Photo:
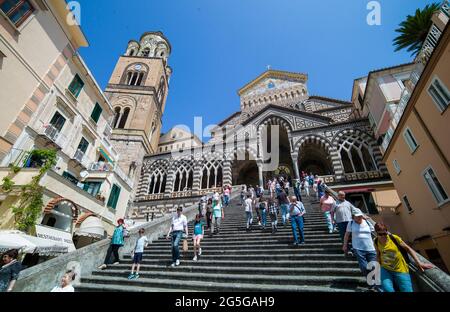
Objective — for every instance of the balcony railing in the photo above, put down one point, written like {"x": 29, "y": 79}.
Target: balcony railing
{"x": 151, "y": 197}
{"x": 445, "y": 8}
{"x": 101, "y": 166}
{"x": 367, "y": 175}
{"x": 54, "y": 135}
{"x": 107, "y": 167}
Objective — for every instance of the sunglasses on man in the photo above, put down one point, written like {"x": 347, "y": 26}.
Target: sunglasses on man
{"x": 382, "y": 233}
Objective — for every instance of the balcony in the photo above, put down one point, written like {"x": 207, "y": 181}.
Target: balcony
{"x": 102, "y": 169}
{"x": 53, "y": 136}
{"x": 151, "y": 197}
{"x": 81, "y": 158}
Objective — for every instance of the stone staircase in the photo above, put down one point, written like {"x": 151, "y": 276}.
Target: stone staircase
{"x": 236, "y": 260}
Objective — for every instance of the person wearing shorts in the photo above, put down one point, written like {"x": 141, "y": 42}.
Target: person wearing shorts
{"x": 138, "y": 251}
{"x": 198, "y": 236}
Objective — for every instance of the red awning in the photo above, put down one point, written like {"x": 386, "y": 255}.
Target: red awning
{"x": 358, "y": 190}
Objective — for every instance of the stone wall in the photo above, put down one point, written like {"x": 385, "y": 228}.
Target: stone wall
{"x": 45, "y": 276}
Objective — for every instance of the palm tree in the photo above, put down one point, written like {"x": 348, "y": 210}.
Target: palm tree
{"x": 414, "y": 30}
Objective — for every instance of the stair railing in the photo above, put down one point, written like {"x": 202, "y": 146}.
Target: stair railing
{"x": 432, "y": 280}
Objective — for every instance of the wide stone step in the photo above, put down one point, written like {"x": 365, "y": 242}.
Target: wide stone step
{"x": 256, "y": 233}
{"x": 280, "y": 239}
{"x": 215, "y": 286}
{"x": 95, "y": 287}
{"x": 341, "y": 263}
{"x": 243, "y": 251}
{"x": 326, "y": 269}
{"x": 218, "y": 246}
{"x": 297, "y": 256}
{"x": 260, "y": 278}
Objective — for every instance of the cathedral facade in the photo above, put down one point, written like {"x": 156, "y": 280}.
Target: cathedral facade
{"x": 279, "y": 130}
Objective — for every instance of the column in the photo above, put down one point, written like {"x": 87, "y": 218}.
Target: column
{"x": 295, "y": 165}
{"x": 227, "y": 173}
{"x": 260, "y": 173}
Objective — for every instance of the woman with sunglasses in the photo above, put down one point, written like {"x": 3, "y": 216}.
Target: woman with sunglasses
{"x": 391, "y": 253}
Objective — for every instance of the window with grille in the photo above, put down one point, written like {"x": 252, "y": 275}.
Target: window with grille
{"x": 435, "y": 186}
{"x": 410, "y": 140}
{"x": 16, "y": 10}
{"x": 407, "y": 204}
{"x": 396, "y": 166}
{"x": 440, "y": 94}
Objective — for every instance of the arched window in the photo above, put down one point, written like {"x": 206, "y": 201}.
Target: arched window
{"x": 146, "y": 52}
{"x": 184, "y": 176}
{"x": 356, "y": 155}
{"x": 158, "y": 178}
{"x": 212, "y": 175}
{"x": 161, "y": 90}
{"x": 132, "y": 51}
{"x": 123, "y": 120}
{"x": 116, "y": 116}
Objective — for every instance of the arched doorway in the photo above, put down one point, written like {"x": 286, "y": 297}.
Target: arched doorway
{"x": 60, "y": 213}
{"x": 245, "y": 171}
{"x": 278, "y": 148}
{"x": 314, "y": 158}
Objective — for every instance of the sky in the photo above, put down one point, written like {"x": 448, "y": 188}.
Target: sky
{"x": 220, "y": 45}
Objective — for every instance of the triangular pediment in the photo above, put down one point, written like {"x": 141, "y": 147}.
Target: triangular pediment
{"x": 272, "y": 80}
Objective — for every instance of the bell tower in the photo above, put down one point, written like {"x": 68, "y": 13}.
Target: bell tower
{"x": 137, "y": 90}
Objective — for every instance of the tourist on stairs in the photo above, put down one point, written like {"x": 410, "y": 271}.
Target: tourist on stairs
{"x": 198, "y": 236}
{"x": 327, "y": 203}
{"x": 320, "y": 188}
{"x": 137, "y": 254}
{"x": 243, "y": 196}
{"x": 249, "y": 211}
{"x": 116, "y": 242}
{"x": 217, "y": 214}
{"x": 393, "y": 256}
{"x": 273, "y": 212}
{"x": 179, "y": 224}
{"x": 305, "y": 187}
{"x": 342, "y": 212}
{"x": 262, "y": 205}
{"x": 297, "y": 212}
{"x": 362, "y": 242}
{"x": 297, "y": 190}
{"x": 283, "y": 202}
{"x": 226, "y": 195}
{"x": 208, "y": 214}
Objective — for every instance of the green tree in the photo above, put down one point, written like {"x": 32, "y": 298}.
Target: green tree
{"x": 414, "y": 30}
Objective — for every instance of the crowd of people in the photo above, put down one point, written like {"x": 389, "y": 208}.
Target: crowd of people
{"x": 387, "y": 251}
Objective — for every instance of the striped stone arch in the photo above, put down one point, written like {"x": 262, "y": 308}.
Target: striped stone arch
{"x": 349, "y": 138}
{"x": 158, "y": 169}
{"x": 322, "y": 142}
{"x": 276, "y": 120}
{"x": 314, "y": 139}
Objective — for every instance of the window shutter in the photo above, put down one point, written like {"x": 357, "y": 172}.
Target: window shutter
{"x": 96, "y": 113}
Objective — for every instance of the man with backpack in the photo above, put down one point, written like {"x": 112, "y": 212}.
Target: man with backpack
{"x": 393, "y": 256}
{"x": 297, "y": 212}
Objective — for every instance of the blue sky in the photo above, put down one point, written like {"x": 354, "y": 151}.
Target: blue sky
{"x": 220, "y": 45}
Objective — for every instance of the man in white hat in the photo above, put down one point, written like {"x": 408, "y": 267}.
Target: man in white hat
{"x": 362, "y": 243}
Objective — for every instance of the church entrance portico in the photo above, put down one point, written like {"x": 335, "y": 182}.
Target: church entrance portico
{"x": 314, "y": 158}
